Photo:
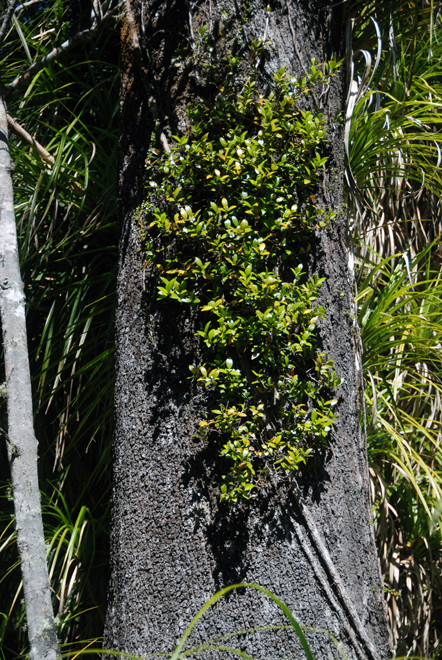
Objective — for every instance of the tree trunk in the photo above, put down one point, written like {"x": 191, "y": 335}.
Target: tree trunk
{"x": 21, "y": 441}
{"x": 173, "y": 544}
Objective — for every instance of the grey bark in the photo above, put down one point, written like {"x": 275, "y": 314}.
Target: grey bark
{"x": 172, "y": 544}
{"x": 21, "y": 441}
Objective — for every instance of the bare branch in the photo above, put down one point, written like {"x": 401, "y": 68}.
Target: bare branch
{"x": 7, "y": 19}
{"x": 22, "y": 444}
{"x": 18, "y": 128}
{"x": 25, "y": 5}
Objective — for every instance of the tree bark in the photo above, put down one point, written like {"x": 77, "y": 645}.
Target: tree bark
{"x": 172, "y": 543}
{"x": 21, "y": 441}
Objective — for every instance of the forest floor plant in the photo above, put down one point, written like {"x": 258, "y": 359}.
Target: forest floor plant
{"x": 226, "y": 643}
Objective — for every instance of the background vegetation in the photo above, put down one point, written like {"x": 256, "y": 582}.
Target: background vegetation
{"x": 66, "y": 212}
{"x": 395, "y": 158}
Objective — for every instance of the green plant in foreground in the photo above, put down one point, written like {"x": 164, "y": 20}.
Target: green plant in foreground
{"x": 228, "y": 219}
{"x": 220, "y": 643}
{"x": 223, "y": 643}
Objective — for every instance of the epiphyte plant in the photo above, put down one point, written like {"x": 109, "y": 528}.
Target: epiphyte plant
{"x": 226, "y": 225}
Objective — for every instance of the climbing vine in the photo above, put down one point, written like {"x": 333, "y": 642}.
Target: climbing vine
{"x": 226, "y": 225}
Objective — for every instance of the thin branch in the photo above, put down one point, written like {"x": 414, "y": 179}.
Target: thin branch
{"x": 29, "y": 3}
{"x": 22, "y": 444}
{"x": 74, "y": 42}
{"x": 76, "y": 188}
{"x": 96, "y": 12}
{"x": 18, "y": 128}
{"x": 7, "y": 20}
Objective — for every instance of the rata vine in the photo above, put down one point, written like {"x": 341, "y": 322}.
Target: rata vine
{"x": 227, "y": 224}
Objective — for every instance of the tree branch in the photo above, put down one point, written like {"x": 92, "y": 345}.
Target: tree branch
{"x": 7, "y": 19}
{"x": 42, "y": 152}
{"x": 22, "y": 444}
